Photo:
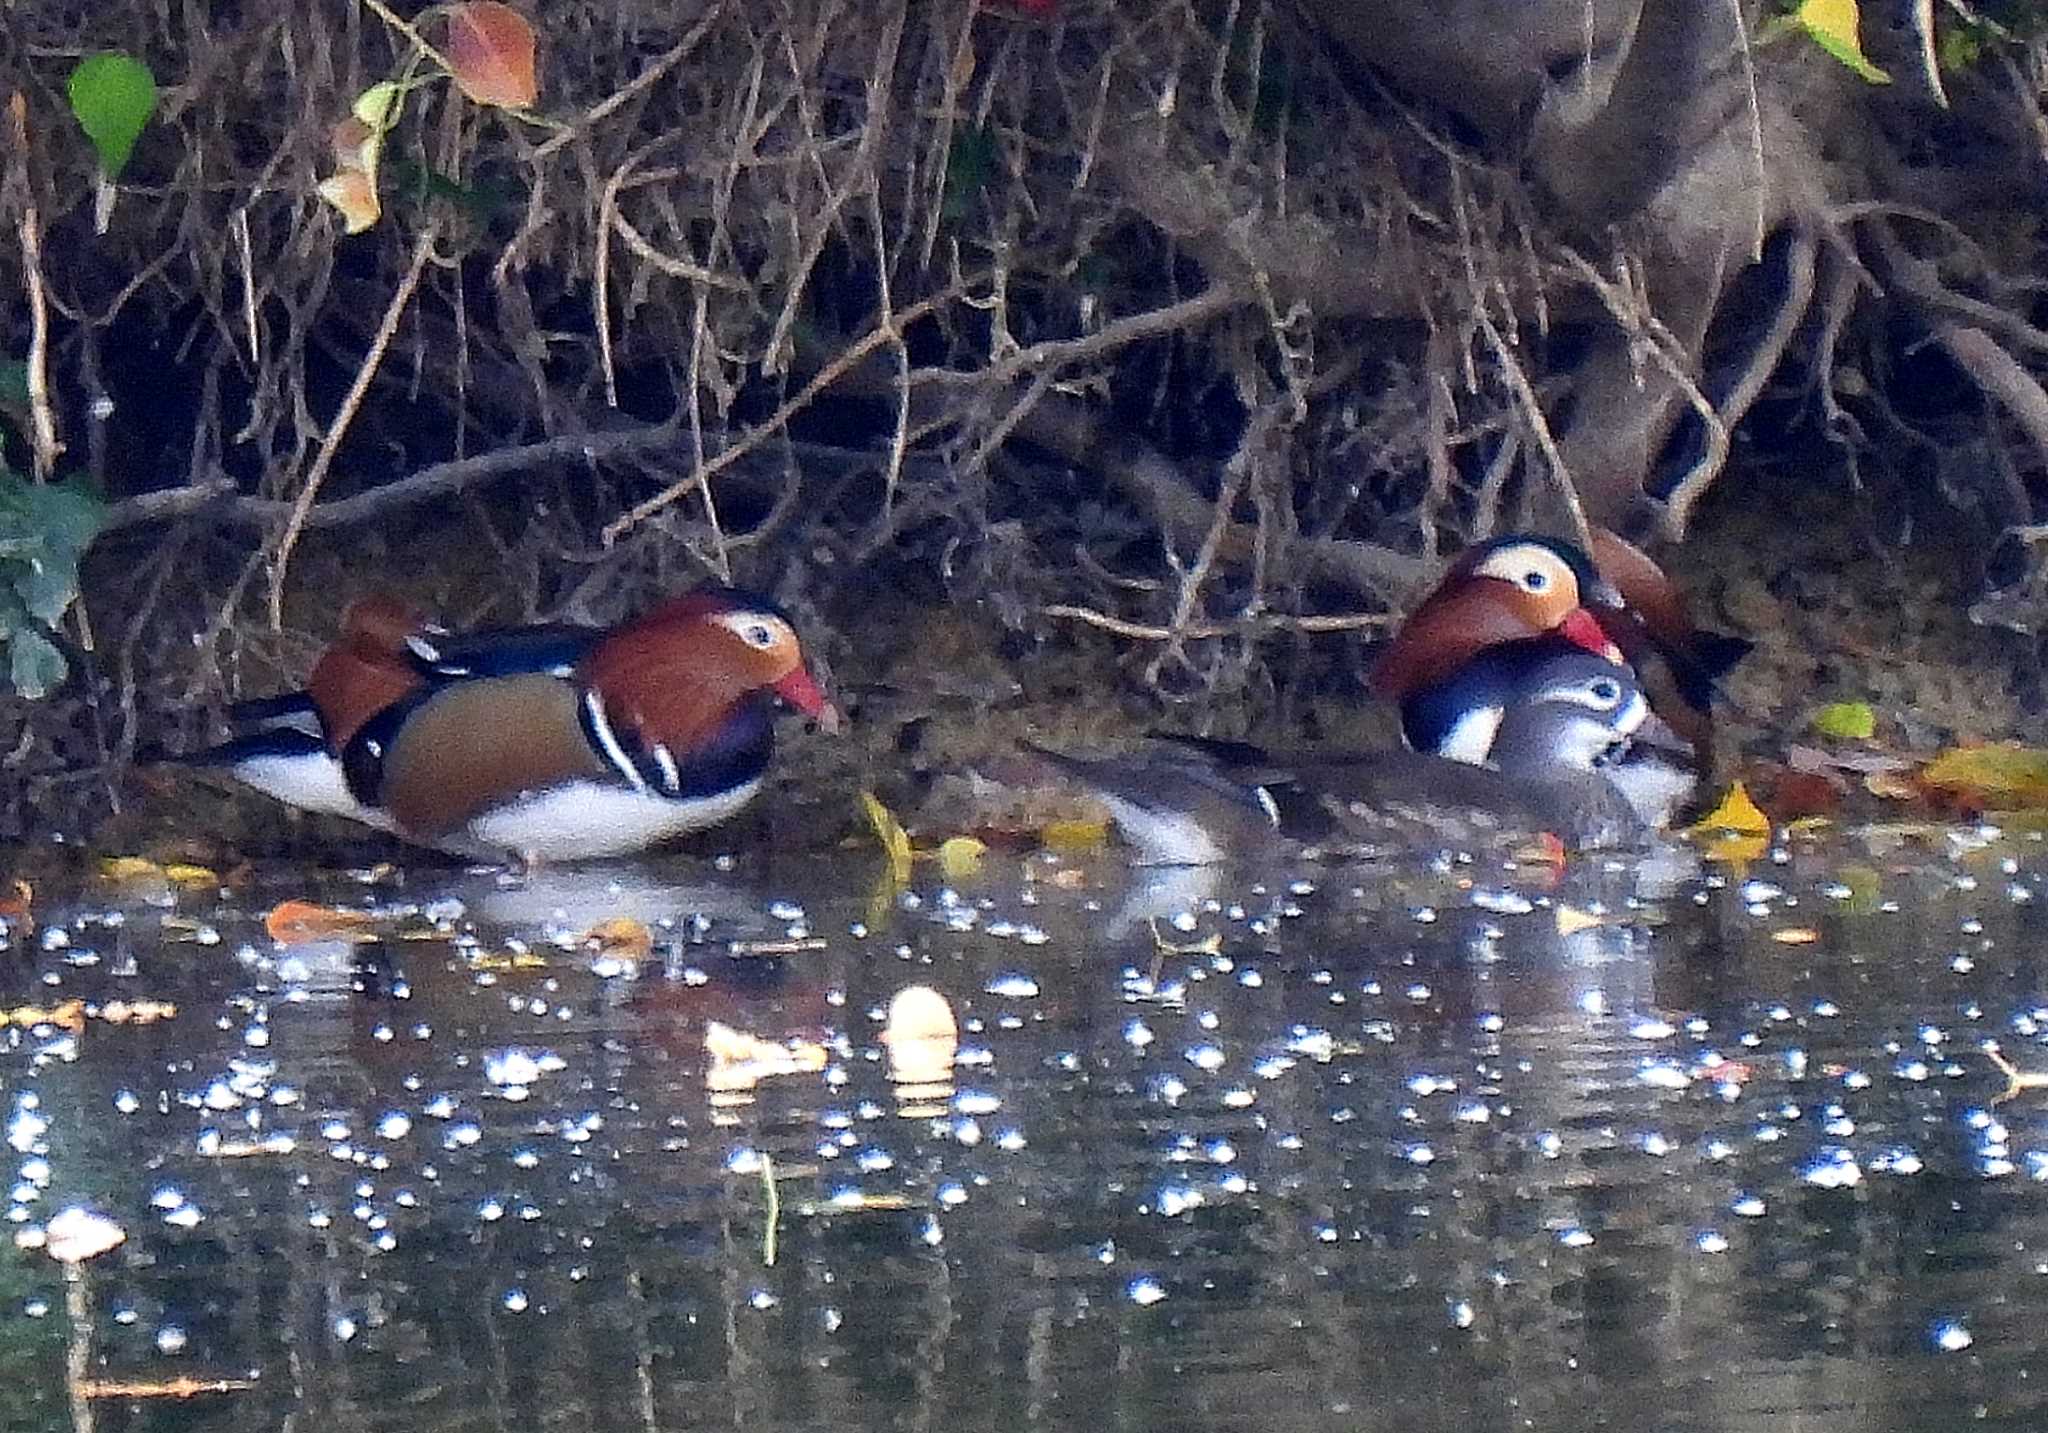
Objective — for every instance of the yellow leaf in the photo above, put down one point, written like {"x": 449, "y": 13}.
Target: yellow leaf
{"x": 889, "y": 831}
{"x": 1074, "y": 835}
{"x": 2004, "y": 775}
{"x": 1737, "y": 813}
{"x": 1832, "y": 24}
{"x": 1796, "y": 935}
{"x": 188, "y": 875}
{"x": 1571, "y": 919}
{"x": 130, "y": 868}
{"x": 1734, "y": 848}
{"x": 1846, "y": 721}
{"x": 960, "y": 857}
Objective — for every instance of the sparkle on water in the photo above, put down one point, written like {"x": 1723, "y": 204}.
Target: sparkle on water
{"x": 1089, "y": 1145}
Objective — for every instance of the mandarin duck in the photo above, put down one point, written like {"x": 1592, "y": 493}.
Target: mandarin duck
{"x": 1629, "y": 609}
{"x": 549, "y": 742}
{"x": 1553, "y": 714}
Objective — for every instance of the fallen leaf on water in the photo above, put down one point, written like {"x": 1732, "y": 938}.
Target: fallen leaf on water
{"x": 295, "y": 922}
{"x": 1074, "y": 835}
{"x": 1796, "y": 935}
{"x": 135, "y": 1012}
{"x": 70, "y": 1015}
{"x": 1737, "y": 812}
{"x": 960, "y": 856}
{"x": 519, "y": 958}
{"x": 14, "y": 907}
{"x": 165, "y": 1388}
{"x": 130, "y": 868}
{"x": 1892, "y": 785}
{"x": 185, "y": 874}
{"x": 2005, "y": 774}
{"x": 1571, "y": 919}
{"x": 621, "y": 936}
{"x": 889, "y": 831}
{"x": 1846, "y": 721}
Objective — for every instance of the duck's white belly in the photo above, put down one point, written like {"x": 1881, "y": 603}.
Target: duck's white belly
{"x": 311, "y": 781}
{"x": 585, "y": 819}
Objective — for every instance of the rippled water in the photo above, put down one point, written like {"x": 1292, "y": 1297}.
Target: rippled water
{"x": 1397, "y": 1147}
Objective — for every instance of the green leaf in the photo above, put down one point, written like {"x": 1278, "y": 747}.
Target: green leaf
{"x": 113, "y": 96}
{"x": 1846, "y": 721}
{"x": 34, "y": 666}
{"x": 45, "y": 529}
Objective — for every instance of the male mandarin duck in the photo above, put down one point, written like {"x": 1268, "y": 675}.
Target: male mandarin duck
{"x": 1619, "y": 602}
{"x": 1552, "y": 712}
{"x": 550, "y": 742}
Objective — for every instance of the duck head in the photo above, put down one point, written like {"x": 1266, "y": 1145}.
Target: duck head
{"x": 673, "y": 674}
{"x": 1566, "y": 711}
{"x": 1503, "y": 590}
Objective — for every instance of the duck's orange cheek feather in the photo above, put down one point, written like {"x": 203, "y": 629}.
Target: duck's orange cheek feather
{"x": 1447, "y": 631}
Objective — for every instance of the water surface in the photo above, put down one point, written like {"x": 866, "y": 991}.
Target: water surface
{"x": 1423, "y": 1146}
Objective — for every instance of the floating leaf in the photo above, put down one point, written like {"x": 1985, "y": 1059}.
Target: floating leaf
{"x": 15, "y": 907}
{"x": 1734, "y": 831}
{"x": 130, "y": 868}
{"x": 2006, "y": 775}
{"x": 1737, "y": 812}
{"x": 1846, "y": 721}
{"x": 889, "y": 831}
{"x": 113, "y": 96}
{"x": 1572, "y": 919}
{"x": 296, "y": 922}
{"x": 491, "y": 54}
{"x": 1074, "y": 835}
{"x": 621, "y": 937}
{"x": 960, "y": 856}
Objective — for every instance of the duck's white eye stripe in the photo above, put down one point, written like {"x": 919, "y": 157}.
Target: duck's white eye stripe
{"x": 762, "y": 633}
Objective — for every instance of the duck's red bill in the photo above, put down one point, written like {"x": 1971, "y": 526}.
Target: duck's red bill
{"x": 800, "y": 689}
{"x": 1585, "y": 629}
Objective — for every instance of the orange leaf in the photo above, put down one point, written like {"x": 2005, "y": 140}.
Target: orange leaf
{"x": 621, "y": 936}
{"x": 14, "y": 907}
{"x": 491, "y": 54}
{"x": 354, "y": 194}
{"x": 294, "y": 922}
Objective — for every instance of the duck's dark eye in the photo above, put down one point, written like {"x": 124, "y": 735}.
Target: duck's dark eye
{"x": 1536, "y": 580}
{"x": 758, "y": 634}
{"x": 1607, "y": 692}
